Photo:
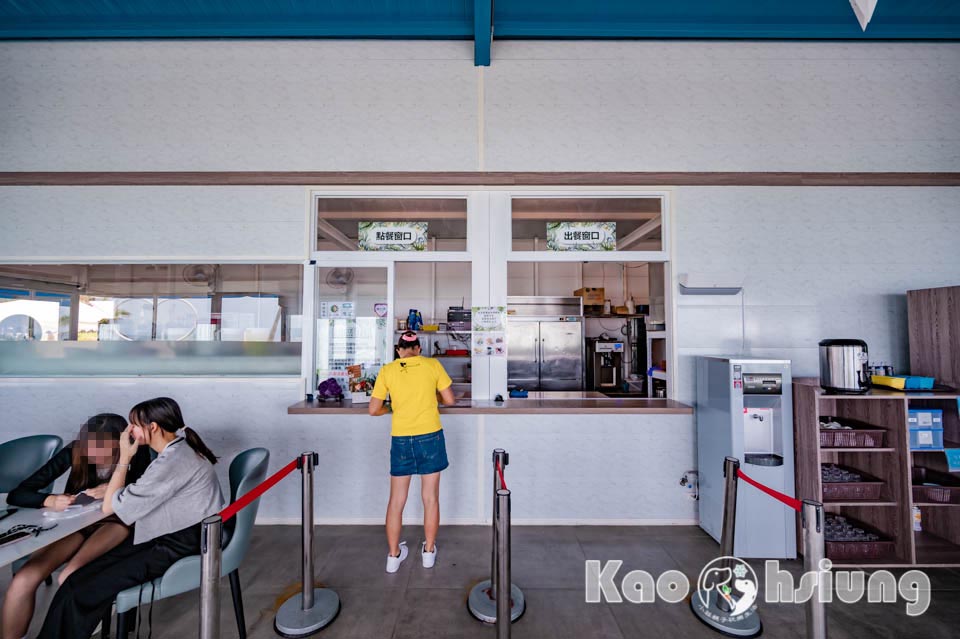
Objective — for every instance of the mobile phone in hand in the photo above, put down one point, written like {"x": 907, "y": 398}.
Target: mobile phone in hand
{"x": 83, "y": 499}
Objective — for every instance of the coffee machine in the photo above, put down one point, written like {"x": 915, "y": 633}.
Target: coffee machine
{"x": 604, "y": 364}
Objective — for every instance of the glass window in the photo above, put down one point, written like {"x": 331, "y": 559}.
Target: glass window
{"x": 352, "y": 326}
{"x": 439, "y": 294}
{"x": 150, "y": 319}
{"x": 587, "y": 224}
{"x": 391, "y": 224}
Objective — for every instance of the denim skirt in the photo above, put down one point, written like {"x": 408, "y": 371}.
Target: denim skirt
{"x": 418, "y": 454}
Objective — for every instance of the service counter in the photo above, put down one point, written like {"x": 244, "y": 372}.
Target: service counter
{"x": 559, "y": 403}
{"x": 575, "y": 458}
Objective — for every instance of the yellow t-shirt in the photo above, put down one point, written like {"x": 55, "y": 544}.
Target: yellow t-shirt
{"x": 412, "y": 383}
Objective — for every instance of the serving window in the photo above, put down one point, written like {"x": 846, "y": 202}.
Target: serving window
{"x": 579, "y": 224}
{"x": 409, "y": 224}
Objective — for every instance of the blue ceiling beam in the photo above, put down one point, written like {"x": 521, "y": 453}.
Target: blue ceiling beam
{"x": 482, "y": 32}
{"x": 474, "y": 19}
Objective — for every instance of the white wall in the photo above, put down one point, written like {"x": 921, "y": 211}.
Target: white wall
{"x": 206, "y": 223}
{"x": 552, "y": 106}
{"x": 257, "y": 105}
{"x": 815, "y": 262}
{"x": 566, "y": 478}
{"x": 722, "y": 106}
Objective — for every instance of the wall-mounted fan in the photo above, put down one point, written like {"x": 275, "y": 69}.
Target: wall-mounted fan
{"x": 199, "y": 274}
{"x": 339, "y": 278}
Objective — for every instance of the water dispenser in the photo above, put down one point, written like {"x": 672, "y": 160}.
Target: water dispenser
{"x": 745, "y": 410}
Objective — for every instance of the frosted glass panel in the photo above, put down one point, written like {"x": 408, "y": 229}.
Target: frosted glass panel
{"x": 120, "y": 358}
{"x": 150, "y": 319}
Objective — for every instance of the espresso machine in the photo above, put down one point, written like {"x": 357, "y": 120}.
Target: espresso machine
{"x": 604, "y": 364}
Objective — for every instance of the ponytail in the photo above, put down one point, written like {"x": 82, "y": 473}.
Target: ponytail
{"x": 194, "y": 441}
{"x": 165, "y": 413}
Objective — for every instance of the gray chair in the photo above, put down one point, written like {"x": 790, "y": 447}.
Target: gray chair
{"x": 20, "y": 458}
{"x": 247, "y": 470}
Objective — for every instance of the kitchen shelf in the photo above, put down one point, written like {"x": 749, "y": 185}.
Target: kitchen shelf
{"x": 935, "y": 550}
{"x": 892, "y": 513}
{"x": 613, "y": 316}
{"x": 861, "y": 502}
{"x": 656, "y": 334}
{"x": 864, "y": 449}
{"x": 423, "y": 332}
{"x": 939, "y": 543}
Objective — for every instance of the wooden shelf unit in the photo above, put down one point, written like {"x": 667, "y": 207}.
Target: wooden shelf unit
{"x": 939, "y": 542}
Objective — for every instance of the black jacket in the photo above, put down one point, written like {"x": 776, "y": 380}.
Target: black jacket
{"x": 28, "y": 494}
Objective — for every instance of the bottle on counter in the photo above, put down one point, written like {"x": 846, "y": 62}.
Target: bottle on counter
{"x": 917, "y": 519}
{"x": 606, "y": 307}
{"x": 631, "y": 306}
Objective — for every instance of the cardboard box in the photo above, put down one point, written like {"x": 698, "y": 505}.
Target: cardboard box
{"x": 591, "y": 296}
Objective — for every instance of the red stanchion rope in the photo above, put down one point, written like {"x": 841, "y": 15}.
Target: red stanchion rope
{"x": 263, "y": 487}
{"x": 786, "y": 499}
{"x": 500, "y": 472}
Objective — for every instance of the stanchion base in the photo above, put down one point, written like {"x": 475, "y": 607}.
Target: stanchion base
{"x": 293, "y": 621}
{"x": 750, "y": 626}
{"x": 484, "y": 607}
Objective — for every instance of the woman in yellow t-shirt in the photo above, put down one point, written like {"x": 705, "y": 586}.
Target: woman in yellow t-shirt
{"x": 417, "y": 445}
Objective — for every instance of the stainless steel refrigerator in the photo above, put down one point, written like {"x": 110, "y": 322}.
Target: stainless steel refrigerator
{"x": 545, "y": 343}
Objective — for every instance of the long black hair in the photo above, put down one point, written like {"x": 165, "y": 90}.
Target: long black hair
{"x": 83, "y": 474}
{"x": 165, "y": 412}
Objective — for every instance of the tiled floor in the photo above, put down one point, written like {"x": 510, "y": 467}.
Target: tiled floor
{"x": 548, "y": 564}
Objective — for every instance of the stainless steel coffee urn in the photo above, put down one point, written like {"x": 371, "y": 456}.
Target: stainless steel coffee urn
{"x": 843, "y": 366}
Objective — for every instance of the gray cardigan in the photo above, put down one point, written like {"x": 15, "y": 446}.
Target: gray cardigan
{"x": 178, "y": 489}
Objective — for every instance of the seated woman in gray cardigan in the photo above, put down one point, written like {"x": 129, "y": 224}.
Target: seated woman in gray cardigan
{"x": 176, "y": 492}
{"x": 90, "y": 460}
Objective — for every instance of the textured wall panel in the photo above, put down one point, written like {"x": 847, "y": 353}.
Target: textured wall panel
{"x": 814, "y": 263}
{"x": 207, "y": 105}
{"x": 723, "y": 106}
{"x": 140, "y": 222}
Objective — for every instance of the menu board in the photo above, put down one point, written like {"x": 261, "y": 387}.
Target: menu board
{"x": 489, "y": 325}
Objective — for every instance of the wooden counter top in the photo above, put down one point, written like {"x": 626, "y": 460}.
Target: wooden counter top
{"x": 528, "y": 406}
{"x": 876, "y": 393}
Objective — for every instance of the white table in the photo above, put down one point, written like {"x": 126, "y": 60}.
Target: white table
{"x": 11, "y": 552}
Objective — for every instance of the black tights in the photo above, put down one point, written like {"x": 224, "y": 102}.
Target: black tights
{"x": 86, "y": 596}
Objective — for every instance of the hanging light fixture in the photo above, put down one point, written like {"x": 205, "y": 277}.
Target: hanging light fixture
{"x": 864, "y": 11}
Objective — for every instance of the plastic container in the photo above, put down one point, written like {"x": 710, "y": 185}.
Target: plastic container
{"x": 849, "y": 539}
{"x": 859, "y": 435}
{"x": 867, "y": 488}
{"x": 926, "y": 428}
{"x": 934, "y": 486}
{"x": 851, "y": 438}
{"x": 926, "y": 439}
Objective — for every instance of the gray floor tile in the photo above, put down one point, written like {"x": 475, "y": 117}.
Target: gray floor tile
{"x": 546, "y": 557}
{"x": 563, "y": 614}
{"x": 548, "y": 563}
{"x": 435, "y": 613}
{"x": 463, "y": 559}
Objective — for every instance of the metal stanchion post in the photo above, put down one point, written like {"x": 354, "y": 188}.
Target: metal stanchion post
{"x": 501, "y": 458}
{"x": 708, "y": 605}
{"x": 482, "y": 600}
{"x": 210, "y": 556}
{"x": 811, "y": 517}
{"x": 313, "y": 608}
{"x": 503, "y": 563}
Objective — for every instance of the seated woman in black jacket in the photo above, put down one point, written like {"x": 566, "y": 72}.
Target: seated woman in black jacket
{"x": 90, "y": 459}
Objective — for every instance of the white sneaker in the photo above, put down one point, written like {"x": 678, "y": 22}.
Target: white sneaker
{"x": 393, "y": 563}
{"x": 429, "y": 558}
